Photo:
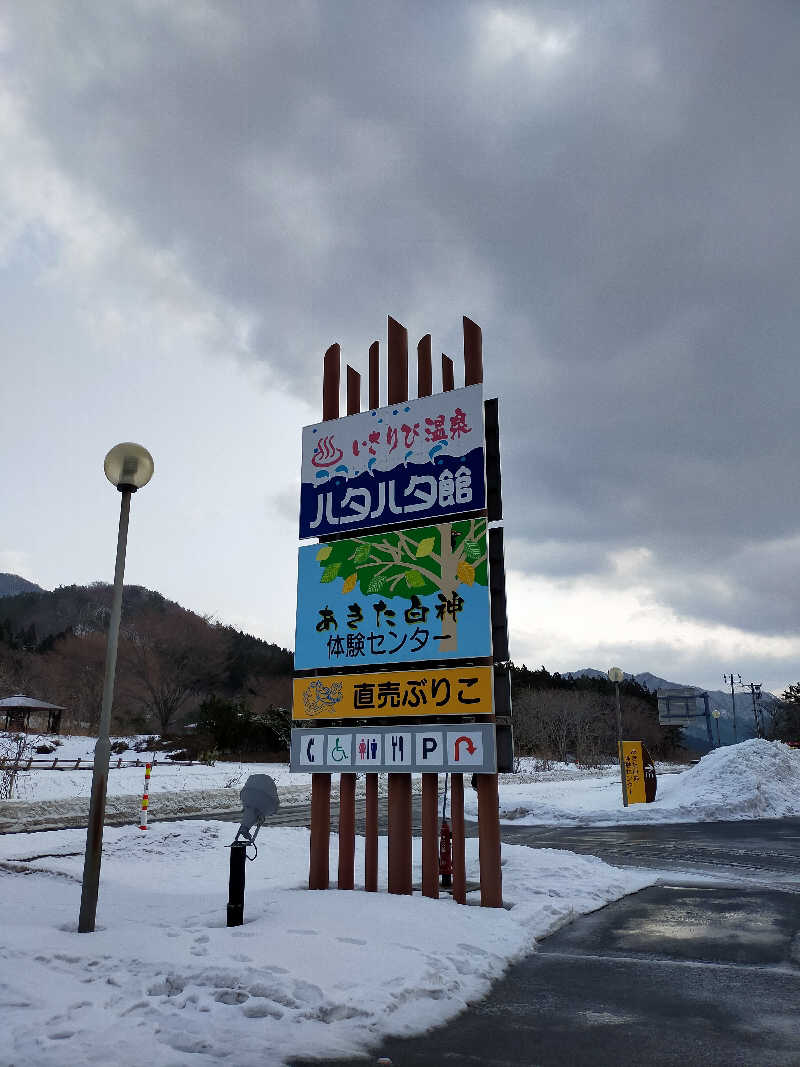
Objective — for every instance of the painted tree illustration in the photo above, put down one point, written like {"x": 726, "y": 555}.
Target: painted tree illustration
{"x": 409, "y": 564}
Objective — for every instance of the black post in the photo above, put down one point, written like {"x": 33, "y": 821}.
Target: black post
{"x": 236, "y": 884}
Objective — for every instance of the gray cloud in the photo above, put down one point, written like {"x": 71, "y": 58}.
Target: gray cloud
{"x": 609, "y": 189}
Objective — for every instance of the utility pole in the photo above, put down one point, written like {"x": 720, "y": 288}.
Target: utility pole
{"x": 733, "y": 701}
{"x": 616, "y": 675}
{"x": 755, "y": 694}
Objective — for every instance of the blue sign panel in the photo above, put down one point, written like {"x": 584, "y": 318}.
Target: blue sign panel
{"x": 402, "y": 596}
{"x": 421, "y": 459}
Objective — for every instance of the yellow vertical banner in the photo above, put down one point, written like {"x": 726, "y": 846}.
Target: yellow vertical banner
{"x": 633, "y": 763}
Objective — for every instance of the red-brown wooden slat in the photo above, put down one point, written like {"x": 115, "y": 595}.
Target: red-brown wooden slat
{"x": 430, "y": 826}
{"x": 330, "y": 384}
{"x": 371, "y": 836}
{"x": 374, "y": 376}
{"x": 448, "y": 378}
{"x": 459, "y": 856}
{"x": 424, "y": 368}
{"x": 489, "y": 842}
{"x": 473, "y": 353}
{"x": 347, "y": 830}
{"x": 318, "y": 867}
{"x": 399, "y": 803}
{"x": 398, "y": 362}
{"x": 353, "y": 391}
{"x": 319, "y": 844}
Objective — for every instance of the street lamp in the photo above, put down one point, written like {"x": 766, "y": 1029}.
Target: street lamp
{"x": 129, "y": 467}
{"x": 615, "y": 675}
{"x": 716, "y": 715}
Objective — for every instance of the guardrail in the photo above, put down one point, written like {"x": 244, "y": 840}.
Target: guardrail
{"x": 61, "y": 764}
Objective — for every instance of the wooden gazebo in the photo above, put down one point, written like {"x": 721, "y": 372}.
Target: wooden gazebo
{"x": 19, "y": 709}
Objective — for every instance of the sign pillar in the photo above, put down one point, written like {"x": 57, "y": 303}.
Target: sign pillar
{"x": 347, "y": 782}
{"x": 489, "y": 841}
{"x": 457, "y": 823}
{"x": 400, "y": 828}
{"x": 371, "y": 815}
{"x": 319, "y": 845}
{"x": 430, "y": 825}
{"x": 403, "y": 574}
{"x": 371, "y": 836}
{"x": 400, "y": 833}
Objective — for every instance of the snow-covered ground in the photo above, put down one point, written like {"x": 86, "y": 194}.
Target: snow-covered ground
{"x": 752, "y": 780}
{"x": 163, "y": 981}
{"x": 50, "y": 798}
{"x": 65, "y": 783}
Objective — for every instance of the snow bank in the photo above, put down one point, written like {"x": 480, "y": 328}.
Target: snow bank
{"x": 163, "y": 981}
{"x": 753, "y": 780}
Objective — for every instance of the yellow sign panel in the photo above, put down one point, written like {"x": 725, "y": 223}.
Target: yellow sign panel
{"x": 632, "y": 761}
{"x": 423, "y": 694}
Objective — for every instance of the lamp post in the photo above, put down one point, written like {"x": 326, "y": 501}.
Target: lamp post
{"x": 716, "y": 715}
{"x": 129, "y": 467}
{"x": 615, "y": 675}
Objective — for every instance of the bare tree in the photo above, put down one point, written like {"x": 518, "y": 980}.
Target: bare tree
{"x": 167, "y": 664}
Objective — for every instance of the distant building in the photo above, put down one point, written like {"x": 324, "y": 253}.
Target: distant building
{"x": 26, "y": 714}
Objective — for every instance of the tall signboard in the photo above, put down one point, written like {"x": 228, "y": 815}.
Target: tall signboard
{"x": 397, "y": 607}
{"x": 411, "y": 594}
{"x": 422, "y": 459}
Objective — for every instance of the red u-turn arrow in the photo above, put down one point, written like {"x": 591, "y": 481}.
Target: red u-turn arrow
{"x": 468, "y": 742}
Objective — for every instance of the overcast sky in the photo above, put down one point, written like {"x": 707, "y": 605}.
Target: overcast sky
{"x": 197, "y": 198}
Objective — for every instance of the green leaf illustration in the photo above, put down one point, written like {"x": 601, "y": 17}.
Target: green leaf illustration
{"x": 375, "y": 585}
{"x": 414, "y": 579}
{"x": 330, "y": 572}
{"x": 361, "y": 554}
{"x": 425, "y": 547}
{"x": 472, "y": 551}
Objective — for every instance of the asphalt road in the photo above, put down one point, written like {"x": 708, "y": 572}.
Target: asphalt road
{"x": 703, "y": 968}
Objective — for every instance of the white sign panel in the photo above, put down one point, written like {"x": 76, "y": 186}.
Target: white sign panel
{"x": 417, "y": 749}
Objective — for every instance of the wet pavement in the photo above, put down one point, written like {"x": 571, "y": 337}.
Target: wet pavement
{"x": 689, "y": 971}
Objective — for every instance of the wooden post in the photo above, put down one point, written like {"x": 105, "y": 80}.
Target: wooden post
{"x": 347, "y": 829}
{"x": 400, "y": 833}
{"x": 371, "y": 836}
{"x": 457, "y": 821}
{"x": 424, "y": 369}
{"x": 353, "y": 391}
{"x": 489, "y": 842}
{"x": 448, "y": 379}
{"x": 347, "y": 782}
{"x": 330, "y": 384}
{"x": 430, "y": 825}
{"x": 319, "y": 844}
{"x": 318, "y": 869}
{"x": 398, "y": 362}
{"x": 371, "y": 819}
{"x": 473, "y": 353}
{"x": 399, "y": 784}
{"x": 374, "y": 376}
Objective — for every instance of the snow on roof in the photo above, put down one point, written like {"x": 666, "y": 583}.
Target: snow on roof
{"x": 19, "y": 701}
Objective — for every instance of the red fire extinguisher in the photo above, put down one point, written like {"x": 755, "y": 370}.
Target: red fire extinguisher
{"x": 445, "y": 845}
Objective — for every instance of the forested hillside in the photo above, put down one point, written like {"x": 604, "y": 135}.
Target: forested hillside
{"x": 557, "y": 716}
{"x": 170, "y": 660}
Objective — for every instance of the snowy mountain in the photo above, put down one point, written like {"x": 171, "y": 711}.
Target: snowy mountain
{"x": 12, "y": 585}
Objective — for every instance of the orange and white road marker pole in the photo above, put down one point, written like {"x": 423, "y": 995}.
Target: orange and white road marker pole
{"x": 146, "y": 795}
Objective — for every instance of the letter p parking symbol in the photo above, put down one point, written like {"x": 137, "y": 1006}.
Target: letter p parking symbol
{"x": 430, "y": 749}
